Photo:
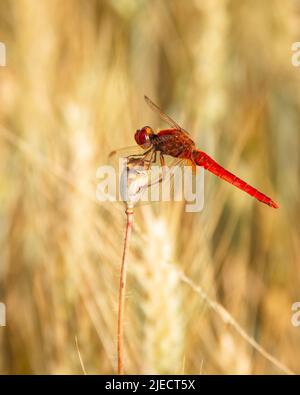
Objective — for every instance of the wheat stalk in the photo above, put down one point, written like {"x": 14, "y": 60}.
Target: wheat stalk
{"x": 136, "y": 176}
{"x": 160, "y": 301}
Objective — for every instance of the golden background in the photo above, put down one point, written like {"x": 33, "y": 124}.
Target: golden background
{"x": 71, "y": 92}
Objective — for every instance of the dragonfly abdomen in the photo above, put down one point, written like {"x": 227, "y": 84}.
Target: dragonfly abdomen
{"x": 202, "y": 159}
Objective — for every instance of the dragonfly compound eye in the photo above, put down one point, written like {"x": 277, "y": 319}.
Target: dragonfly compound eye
{"x": 142, "y": 137}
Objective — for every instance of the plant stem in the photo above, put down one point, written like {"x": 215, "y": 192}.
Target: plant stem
{"x": 122, "y": 289}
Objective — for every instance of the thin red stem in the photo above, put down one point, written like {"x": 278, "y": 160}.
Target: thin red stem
{"x": 122, "y": 289}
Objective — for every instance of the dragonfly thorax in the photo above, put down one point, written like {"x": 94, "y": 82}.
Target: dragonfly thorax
{"x": 142, "y": 137}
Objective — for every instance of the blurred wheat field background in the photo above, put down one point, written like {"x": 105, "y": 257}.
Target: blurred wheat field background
{"x": 71, "y": 92}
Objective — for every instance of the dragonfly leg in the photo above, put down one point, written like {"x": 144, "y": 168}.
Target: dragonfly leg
{"x": 151, "y": 160}
{"x": 140, "y": 159}
{"x": 163, "y": 166}
{"x": 139, "y": 155}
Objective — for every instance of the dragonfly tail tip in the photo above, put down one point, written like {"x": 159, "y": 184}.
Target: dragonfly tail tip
{"x": 274, "y": 205}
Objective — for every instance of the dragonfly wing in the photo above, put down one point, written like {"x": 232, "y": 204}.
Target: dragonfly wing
{"x": 154, "y": 107}
{"x": 134, "y": 152}
{"x": 173, "y": 168}
{"x": 127, "y": 151}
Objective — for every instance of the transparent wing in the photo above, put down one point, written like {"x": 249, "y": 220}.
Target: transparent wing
{"x": 126, "y": 151}
{"x": 132, "y": 156}
{"x": 154, "y": 107}
{"x": 172, "y": 188}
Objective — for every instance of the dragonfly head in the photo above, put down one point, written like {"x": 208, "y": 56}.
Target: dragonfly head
{"x": 142, "y": 137}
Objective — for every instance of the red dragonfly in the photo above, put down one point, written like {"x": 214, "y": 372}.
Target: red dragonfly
{"x": 176, "y": 142}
